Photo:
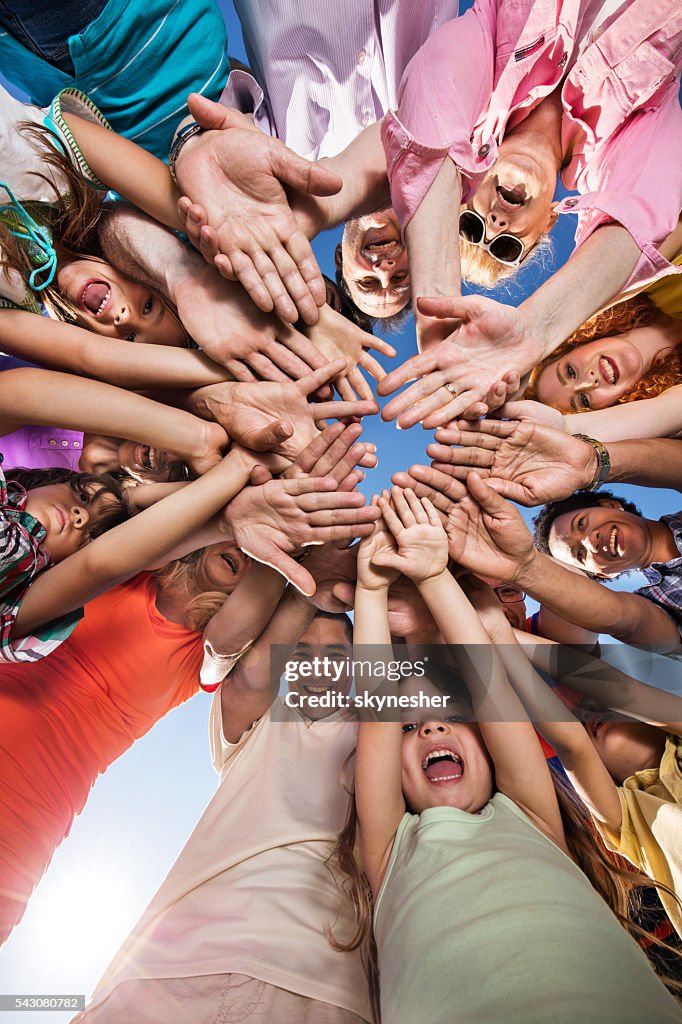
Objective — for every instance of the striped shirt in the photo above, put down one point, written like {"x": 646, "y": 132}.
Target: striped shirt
{"x": 22, "y": 558}
{"x": 665, "y": 578}
{"x": 329, "y": 70}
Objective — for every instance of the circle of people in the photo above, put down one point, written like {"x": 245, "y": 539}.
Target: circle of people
{"x": 183, "y": 512}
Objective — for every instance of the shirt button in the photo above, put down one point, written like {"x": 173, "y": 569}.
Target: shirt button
{"x": 360, "y": 56}
{"x": 65, "y": 444}
{"x": 365, "y": 119}
{"x": 52, "y": 441}
{"x": 484, "y": 150}
{"x": 571, "y": 202}
{"x": 76, "y": 444}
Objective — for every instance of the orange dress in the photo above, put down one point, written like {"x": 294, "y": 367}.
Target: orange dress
{"x": 66, "y": 718}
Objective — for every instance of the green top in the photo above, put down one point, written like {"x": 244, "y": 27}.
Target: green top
{"x": 482, "y": 920}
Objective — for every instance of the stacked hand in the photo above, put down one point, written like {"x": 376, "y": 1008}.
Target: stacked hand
{"x": 335, "y": 336}
{"x": 234, "y": 178}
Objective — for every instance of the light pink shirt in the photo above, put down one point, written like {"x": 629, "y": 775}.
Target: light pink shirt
{"x": 479, "y": 76}
{"x": 329, "y": 69}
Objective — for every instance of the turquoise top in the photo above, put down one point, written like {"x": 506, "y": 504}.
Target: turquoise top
{"x": 481, "y": 919}
{"x": 137, "y": 62}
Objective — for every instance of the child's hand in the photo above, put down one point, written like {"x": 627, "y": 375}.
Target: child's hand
{"x": 417, "y": 530}
{"x": 371, "y": 574}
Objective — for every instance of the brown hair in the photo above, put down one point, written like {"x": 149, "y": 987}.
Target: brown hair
{"x": 614, "y": 879}
{"x": 638, "y": 311}
{"x": 181, "y": 577}
{"x": 30, "y": 479}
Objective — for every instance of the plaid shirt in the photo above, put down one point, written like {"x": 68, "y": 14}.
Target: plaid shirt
{"x": 665, "y": 578}
{"x": 22, "y": 558}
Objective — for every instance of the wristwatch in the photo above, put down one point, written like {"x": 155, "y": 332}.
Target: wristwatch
{"x": 603, "y": 462}
{"x": 193, "y": 128}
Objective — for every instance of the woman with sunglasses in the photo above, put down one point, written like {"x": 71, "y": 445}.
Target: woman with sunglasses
{"x": 492, "y": 108}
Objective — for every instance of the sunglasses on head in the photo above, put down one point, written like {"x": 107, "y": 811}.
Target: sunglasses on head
{"x": 505, "y": 248}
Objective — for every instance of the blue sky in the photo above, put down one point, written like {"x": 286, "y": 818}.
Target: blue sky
{"x": 143, "y": 809}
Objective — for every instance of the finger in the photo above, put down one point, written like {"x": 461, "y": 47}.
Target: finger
{"x": 402, "y": 508}
{"x": 266, "y": 254}
{"x": 224, "y": 267}
{"x": 211, "y": 115}
{"x": 431, "y": 512}
{"x": 350, "y": 482}
{"x": 259, "y": 476}
{"x": 301, "y": 346}
{"x": 489, "y": 428}
{"x": 312, "y": 453}
{"x": 240, "y": 371}
{"x": 446, "y": 485}
{"x": 370, "y": 364}
{"x": 416, "y": 507}
{"x": 486, "y": 497}
{"x": 341, "y": 410}
{"x": 208, "y": 243}
{"x": 414, "y": 396}
{"x": 393, "y": 521}
{"x": 344, "y": 593}
{"x": 305, "y": 175}
{"x": 388, "y": 559}
{"x": 369, "y": 459}
{"x": 466, "y": 438}
{"x": 323, "y": 375}
{"x": 270, "y": 436}
{"x": 330, "y": 501}
{"x": 337, "y": 534}
{"x": 302, "y": 254}
{"x": 294, "y": 283}
{"x": 440, "y": 501}
{"x": 266, "y": 369}
{"x": 415, "y": 367}
{"x": 452, "y": 307}
{"x": 249, "y": 278}
{"x": 361, "y": 386}
{"x": 379, "y": 345}
{"x": 516, "y": 411}
{"x": 451, "y": 410}
{"x": 475, "y": 411}
{"x": 345, "y": 389}
{"x": 337, "y": 451}
{"x": 460, "y": 456}
{"x": 457, "y": 472}
{"x": 292, "y": 366}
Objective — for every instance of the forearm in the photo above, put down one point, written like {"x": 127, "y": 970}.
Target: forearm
{"x": 659, "y": 418}
{"x": 362, "y": 166}
{"x": 61, "y": 346}
{"x": 127, "y": 169}
{"x": 45, "y": 398}
{"x": 246, "y": 611}
{"x": 586, "y": 282}
{"x": 371, "y": 617}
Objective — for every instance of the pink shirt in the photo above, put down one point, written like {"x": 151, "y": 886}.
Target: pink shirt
{"x": 479, "y": 76}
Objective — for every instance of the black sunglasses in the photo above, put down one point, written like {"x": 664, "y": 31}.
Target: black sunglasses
{"x": 505, "y": 248}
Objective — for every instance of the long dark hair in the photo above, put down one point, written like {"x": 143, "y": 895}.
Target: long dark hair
{"x": 30, "y": 479}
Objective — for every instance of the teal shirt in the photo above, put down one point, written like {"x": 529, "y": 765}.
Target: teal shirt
{"x": 138, "y": 62}
{"x": 481, "y": 919}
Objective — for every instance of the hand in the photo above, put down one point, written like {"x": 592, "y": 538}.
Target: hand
{"x": 440, "y": 488}
{"x": 522, "y": 461}
{"x": 275, "y": 520}
{"x": 487, "y": 535}
{"x": 265, "y": 416}
{"x": 371, "y": 575}
{"x": 333, "y": 570}
{"x": 211, "y": 449}
{"x": 536, "y": 411}
{"x": 421, "y": 541}
{"x": 221, "y": 318}
{"x": 237, "y": 174}
{"x": 336, "y": 337}
{"x": 334, "y": 454}
{"x": 408, "y": 615}
{"x": 491, "y": 335}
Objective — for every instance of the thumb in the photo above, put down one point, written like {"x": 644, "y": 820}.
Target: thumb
{"x": 260, "y": 475}
{"x": 486, "y": 497}
{"x": 212, "y": 115}
{"x": 264, "y": 439}
{"x": 344, "y": 593}
{"x": 304, "y": 175}
{"x": 449, "y": 307}
{"x": 270, "y": 554}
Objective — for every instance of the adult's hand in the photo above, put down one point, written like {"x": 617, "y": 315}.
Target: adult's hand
{"x": 493, "y": 343}
{"x": 545, "y": 415}
{"x": 336, "y": 337}
{"x": 223, "y": 320}
{"x": 521, "y": 460}
{"x": 238, "y": 175}
{"x": 274, "y": 521}
{"x": 334, "y": 453}
{"x": 487, "y": 535}
{"x": 274, "y": 417}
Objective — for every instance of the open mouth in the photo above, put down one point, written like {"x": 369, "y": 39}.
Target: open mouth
{"x": 511, "y": 195}
{"x": 315, "y": 688}
{"x": 149, "y": 459}
{"x": 608, "y": 369}
{"x": 386, "y": 249}
{"x": 94, "y": 297}
{"x": 615, "y": 549}
{"x": 443, "y": 765}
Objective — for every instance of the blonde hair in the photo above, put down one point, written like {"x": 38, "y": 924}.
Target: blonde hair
{"x": 636, "y": 312}
{"x": 181, "y": 578}
{"x": 481, "y": 268}
{"x": 614, "y": 879}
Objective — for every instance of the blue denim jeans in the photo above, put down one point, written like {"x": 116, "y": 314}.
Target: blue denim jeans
{"x": 44, "y": 27}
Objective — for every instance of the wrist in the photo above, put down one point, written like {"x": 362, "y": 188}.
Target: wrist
{"x": 526, "y": 574}
{"x": 433, "y": 582}
{"x": 598, "y": 463}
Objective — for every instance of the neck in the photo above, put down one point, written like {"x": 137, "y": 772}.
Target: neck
{"x": 663, "y": 546}
{"x": 540, "y": 133}
{"x": 172, "y": 605}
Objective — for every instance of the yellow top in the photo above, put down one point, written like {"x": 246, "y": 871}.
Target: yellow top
{"x": 651, "y": 834}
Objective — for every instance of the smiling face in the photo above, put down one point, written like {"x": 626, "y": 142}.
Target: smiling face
{"x": 515, "y": 197}
{"x": 626, "y": 747}
{"x": 111, "y": 304}
{"x": 604, "y": 540}
{"x": 68, "y": 516}
{"x": 324, "y": 638}
{"x": 597, "y": 374}
{"x": 375, "y": 265}
{"x": 145, "y": 464}
{"x": 445, "y": 763}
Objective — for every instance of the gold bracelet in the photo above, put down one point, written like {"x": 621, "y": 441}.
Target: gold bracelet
{"x": 603, "y": 462}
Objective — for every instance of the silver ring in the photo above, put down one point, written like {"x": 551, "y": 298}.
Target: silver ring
{"x": 452, "y": 389}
